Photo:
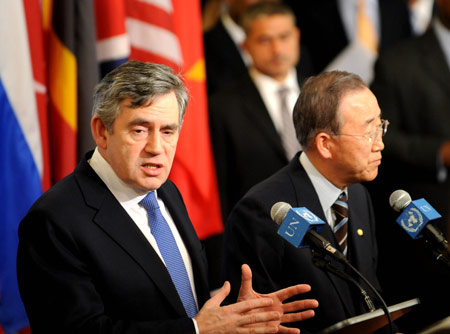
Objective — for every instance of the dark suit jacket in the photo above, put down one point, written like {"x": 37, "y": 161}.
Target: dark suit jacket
{"x": 412, "y": 85}
{"x": 323, "y": 31}
{"x": 247, "y": 147}
{"x": 251, "y": 237}
{"x": 85, "y": 267}
{"x": 222, "y": 58}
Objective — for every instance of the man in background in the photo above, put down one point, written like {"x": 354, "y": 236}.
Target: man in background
{"x": 251, "y": 118}
{"x": 225, "y": 56}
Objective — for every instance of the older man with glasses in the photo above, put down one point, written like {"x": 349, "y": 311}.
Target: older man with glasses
{"x": 338, "y": 123}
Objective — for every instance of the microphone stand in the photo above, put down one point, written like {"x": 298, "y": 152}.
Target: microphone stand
{"x": 441, "y": 253}
{"x": 320, "y": 262}
{"x": 344, "y": 260}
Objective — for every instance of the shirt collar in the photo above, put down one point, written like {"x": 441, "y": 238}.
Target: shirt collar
{"x": 126, "y": 195}
{"x": 327, "y": 192}
{"x": 267, "y": 83}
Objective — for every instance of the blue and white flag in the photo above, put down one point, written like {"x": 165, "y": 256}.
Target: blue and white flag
{"x": 21, "y": 162}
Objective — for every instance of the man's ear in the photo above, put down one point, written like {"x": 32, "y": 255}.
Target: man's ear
{"x": 324, "y": 143}
{"x": 99, "y": 132}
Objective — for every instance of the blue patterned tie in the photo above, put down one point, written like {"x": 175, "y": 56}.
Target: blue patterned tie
{"x": 170, "y": 252}
{"x": 341, "y": 225}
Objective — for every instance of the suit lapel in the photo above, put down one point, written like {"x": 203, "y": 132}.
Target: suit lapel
{"x": 117, "y": 224}
{"x": 258, "y": 115}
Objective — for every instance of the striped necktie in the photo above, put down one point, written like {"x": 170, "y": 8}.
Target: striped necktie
{"x": 341, "y": 224}
{"x": 170, "y": 252}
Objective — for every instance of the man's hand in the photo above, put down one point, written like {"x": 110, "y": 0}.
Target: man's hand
{"x": 236, "y": 318}
{"x": 290, "y": 312}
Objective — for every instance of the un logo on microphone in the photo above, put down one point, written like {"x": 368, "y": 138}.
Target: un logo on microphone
{"x": 297, "y": 223}
{"x": 414, "y": 218}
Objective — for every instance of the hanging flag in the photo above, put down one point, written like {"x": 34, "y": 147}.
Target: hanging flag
{"x": 113, "y": 45}
{"x": 194, "y": 170}
{"x": 169, "y": 32}
{"x": 22, "y": 138}
{"x": 72, "y": 75}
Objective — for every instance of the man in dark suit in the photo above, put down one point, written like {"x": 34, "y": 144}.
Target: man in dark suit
{"x": 412, "y": 84}
{"x": 246, "y": 117}
{"x": 225, "y": 56}
{"x": 338, "y": 124}
{"x": 92, "y": 257}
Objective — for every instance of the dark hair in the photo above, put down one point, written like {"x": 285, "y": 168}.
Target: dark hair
{"x": 264, "y": 8}
{"x": 316, "y": 109}
{"x": 141, "y": 82}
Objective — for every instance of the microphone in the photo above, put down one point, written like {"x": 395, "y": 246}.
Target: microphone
{"x": 300, "y": 227}
{"x": 416, "y": 218}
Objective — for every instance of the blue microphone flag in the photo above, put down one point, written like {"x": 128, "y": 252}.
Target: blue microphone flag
{"x": 297, "y": 223}
{"x": 416, "y": 216}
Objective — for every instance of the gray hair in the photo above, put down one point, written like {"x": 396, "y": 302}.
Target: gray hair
{"x": 316, "y": 109}
{"x": 142, "y": 83}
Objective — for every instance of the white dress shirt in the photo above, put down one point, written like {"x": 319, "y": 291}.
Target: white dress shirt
{"x": 268, "y": 89}
{"x": 129, "y": 199}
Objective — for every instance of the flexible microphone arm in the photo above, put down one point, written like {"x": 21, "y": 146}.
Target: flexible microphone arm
{"x": 383, "y": 303}
{"x": 443, "y": 254}
{"x": 320, "y": 245}
{"x": 320, "y": 262}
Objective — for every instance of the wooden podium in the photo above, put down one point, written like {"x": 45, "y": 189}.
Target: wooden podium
{"x": 370, "y": 322}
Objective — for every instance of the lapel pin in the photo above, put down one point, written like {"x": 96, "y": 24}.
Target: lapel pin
{"x": 360, "y": 232}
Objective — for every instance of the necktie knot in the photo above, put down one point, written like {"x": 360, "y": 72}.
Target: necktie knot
{"x": 149, "y": 202}
{"x": 283, "y": 92}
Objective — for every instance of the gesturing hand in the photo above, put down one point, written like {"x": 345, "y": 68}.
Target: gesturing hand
{"x": 290, "y": 312}
{"x": 236, "y": 318}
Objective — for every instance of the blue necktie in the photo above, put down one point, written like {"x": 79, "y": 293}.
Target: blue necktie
{"x": 170, "y": 253}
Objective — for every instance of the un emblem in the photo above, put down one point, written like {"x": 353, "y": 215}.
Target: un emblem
{"x": 412, "y": 221}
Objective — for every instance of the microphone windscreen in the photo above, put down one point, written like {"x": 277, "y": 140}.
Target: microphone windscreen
{"x": 399, "y": 200}
{"x": 279, "y": 211}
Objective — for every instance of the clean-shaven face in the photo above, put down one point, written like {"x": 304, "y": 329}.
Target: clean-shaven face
{"x": 273, "y": 43}
{"x": 142, "y": 145}
{"x": 355, "y": 158}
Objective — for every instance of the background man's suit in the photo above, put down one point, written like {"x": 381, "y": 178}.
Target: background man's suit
{"x": 223, "y": 59}
{"x": 121, "y": 271}
{"x": 247, "y": 147}
{"x": 251, "y": 237}
{"x": 412, "y": 85}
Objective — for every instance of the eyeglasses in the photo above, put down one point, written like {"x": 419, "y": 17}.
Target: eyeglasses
{"x": 371, "y": 136}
